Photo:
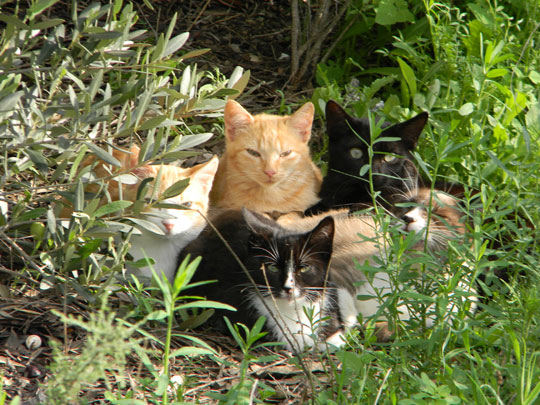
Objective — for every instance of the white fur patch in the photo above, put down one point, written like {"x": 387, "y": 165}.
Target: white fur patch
{"x": 288, "y": 319}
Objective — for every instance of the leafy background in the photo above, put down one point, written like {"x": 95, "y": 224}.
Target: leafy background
{"x": 80, "y": 78}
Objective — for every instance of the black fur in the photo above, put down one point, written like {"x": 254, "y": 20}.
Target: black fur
{"x": 252, "y": 236}
{"x": 343, "y": 185}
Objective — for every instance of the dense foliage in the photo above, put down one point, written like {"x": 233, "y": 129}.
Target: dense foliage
{"x": 86, "y": 84}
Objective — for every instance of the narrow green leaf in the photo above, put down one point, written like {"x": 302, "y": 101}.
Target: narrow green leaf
{"x": 408, "y": 75}
{"x": 38, "y": 7}
{"x": 176, "y": 189}
{"x": 152, "y": 122}
{"x": 192, "y": 54}
{"x": 205, "y": 304}
{"x": 184, "y": 84}
{"x": 112, "y": 207}
{"x": 466, "y": 109}
{"x": 105, "y": 35}
{"x": 190, "y": 351}
{"x": 493, "y": 73}
{"x": 175, "y": 43}
{"x": 89, "y": 247}
{"x": 190, "y": 141}
{"x": 11, "y": 19}
{"x": 103, "y": 155}
{"x": 147, "y": 225}
{"x": 42, "y": 25}
{"x": 38, "y": 159}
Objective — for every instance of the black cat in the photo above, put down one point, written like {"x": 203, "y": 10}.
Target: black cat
{"x": 289, "y": 276}
{"x": 392, "y": 166}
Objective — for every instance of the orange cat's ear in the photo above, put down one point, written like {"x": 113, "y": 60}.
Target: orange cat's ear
{"x": 145, "y": 171}
{"x": 302, "y": 120}
{"x": 205, "y": 173}
{"x": 134, "y": 157}
{"x": 236, "y": 117}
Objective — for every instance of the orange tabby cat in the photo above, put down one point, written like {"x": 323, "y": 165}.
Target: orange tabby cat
{"x": 267, "y": 165}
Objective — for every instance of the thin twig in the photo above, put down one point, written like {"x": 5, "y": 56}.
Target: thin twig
{"x": 198, "y": 15}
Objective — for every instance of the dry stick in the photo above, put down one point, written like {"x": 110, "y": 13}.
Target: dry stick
{"x": 336, "y": 41}
{"x": 21, "y": 252}
{"x": 198, "y": 16}
{"x": 295, "y": 57}
{"x": 318, "y": 38}
{"x": 13, "y": 273}
{"x": 315, "y": 38}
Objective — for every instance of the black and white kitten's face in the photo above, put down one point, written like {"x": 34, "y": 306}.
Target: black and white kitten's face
{"x": 441, "y": 223}
{"x": 291, "y": 274}
{"x": 392, "y": 164}
{"x": 287, "y": 266}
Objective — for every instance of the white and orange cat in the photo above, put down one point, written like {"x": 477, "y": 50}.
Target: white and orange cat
{"x": 358, "y": 240}
{"x": 267, "y": 165}
{"x": 174, "y": 221}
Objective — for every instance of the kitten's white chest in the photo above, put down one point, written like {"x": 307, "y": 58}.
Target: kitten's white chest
{"x": 294, "y": 319}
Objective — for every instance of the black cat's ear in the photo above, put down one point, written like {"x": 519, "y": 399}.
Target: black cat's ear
{"x": 322, "y": 236}
{"x": 259, "y": 224}
{"x": 411, "y": 129}
{"x": 335, "y": 115}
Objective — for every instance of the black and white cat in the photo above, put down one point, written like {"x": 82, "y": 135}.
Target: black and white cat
{"x": 393, "y": 170}
{"x": 288, "y": 276}
{"x": 358, "y": 240}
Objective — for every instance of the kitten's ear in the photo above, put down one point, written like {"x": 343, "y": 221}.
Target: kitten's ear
{"x": 335, "y": 115}
{"x": 236, "y": 117}
{"x": 323, "y": 236}
{"x": 411, "y": 129}
{"x": 143, "y": 172}
{"x": 205, "y": 173}
{"x": 259, "y": 224}
{"x": 302, "y": 120}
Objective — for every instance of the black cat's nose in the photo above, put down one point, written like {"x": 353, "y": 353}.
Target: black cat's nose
{"x": 407, "y": 218}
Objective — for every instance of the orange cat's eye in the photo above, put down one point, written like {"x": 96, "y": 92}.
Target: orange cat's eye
{"x": 253, "y": 152}
{"x": 187, "y": 204}
{"x": 286, "y": 153}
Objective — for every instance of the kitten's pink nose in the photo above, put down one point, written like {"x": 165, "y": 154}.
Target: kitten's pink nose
{"x": 270, "y": 173}
{"x": 168, "y": 226}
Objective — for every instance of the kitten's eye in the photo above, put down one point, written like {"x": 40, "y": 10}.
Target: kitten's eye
{"x": 253, "y": 152}
{"x": 356, "y": 153}
{"x": 187, "y": 204}
{"x": 273, "y": 268}
{"x": 305, "y": 269}
{"x": 389, "y": 158}
{"x": 286, "y": 153}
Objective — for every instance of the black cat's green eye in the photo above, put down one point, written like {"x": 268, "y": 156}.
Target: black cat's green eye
{"x": 356, "y": 153}
{"x": 305, "y": 269}
{"x": 253, "y": 152}
{"x": 286, "y": 153}
{"x": 390, "y": 158}
{"x": 272, "y": 268}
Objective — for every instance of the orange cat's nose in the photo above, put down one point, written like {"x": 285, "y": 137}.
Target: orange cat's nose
{"x": 168, "y": 226}
{"x": 270, "y": 173}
